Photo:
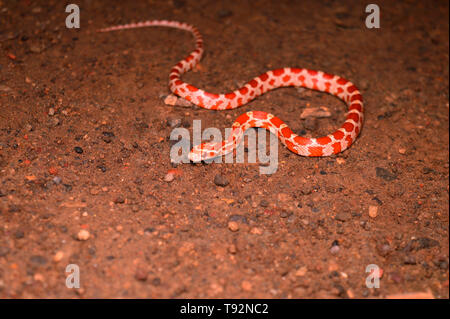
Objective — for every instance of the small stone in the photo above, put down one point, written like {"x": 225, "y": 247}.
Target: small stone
{"x": 94, "y": 191}
{"x": 38, "y": 277}
{"x": 83, "y": 234}
{"x": 342, "y": 216}
{"x": 264, "y": 203}
{"x": 402, "y": 151}
{"x": 170, "y": 100}
{"x": 119, "y": 200}
{"x": 141, "y": 274}
{"x": 233, "y": 226}
{"x": 340, "y": 160}
{"x": 315, "y": 112}
{"x": 410, "y": 260}
{"x": 221, "y": 180}
{"x": 232, "y": 249}
{"x": 385, "y": 174}
{"x": 301, "y": 271}
{"x": 19, "y": 234}
{"x": 256, "y": 231}
{"x": 4, "y": 251}
{"x": 51, "y": 111}
{"x": 38, "y": 260}
{"x": 373, "y": 211}
{"x": 246, "y": 285}
{"x": 57, "y": 180}
{"x": 78, "y": 150}
{"x": 169, "y": 177}
{"x": 58, "y": 256}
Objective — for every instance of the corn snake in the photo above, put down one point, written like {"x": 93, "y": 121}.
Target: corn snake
{"x": 327, "y": 145}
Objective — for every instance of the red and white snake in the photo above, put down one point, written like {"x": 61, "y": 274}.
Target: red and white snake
{"x": 316, "y": 80}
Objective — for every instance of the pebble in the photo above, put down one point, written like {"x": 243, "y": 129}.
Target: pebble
{"x": 233, "y": 226}
{"x": 373, "y": 211}
{"x": 119, "y": 200}
{"x": 19, "y": 234}
{"x": 335, "y": 247}
{"x": 58, "y": 256}
{"x": 264, "y": 203}
{"x": 232, "y": 249}
{"x": 57, "y": 180}
{"x": 4, "y": 251}
{"x": 51, "y": 111}
{"x": 169, "y": 177}
{"x": 256, "y": 231}
{"x": 343, "y": 216}
{"x": 83, "y": 234}
{"x": 38, "y": 260}
{"x": 410, "y": 260}
{"x": 221, "y": 180}
{"x": 78, "y": 150}
{"x": 141, "y": 274}
{"x": 246, "y": 285}
{"x": 315, "y": 112}
{"x": 301, "y": 271}
{"x": 340, "y": 160}
{"x": 402, "y": 151}
{"x": 385, "y": 174}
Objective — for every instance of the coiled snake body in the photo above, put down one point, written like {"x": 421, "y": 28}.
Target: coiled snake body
{"x": 333, "y": 143}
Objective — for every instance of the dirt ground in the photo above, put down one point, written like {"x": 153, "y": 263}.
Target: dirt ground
{"x": 84, "y": 153}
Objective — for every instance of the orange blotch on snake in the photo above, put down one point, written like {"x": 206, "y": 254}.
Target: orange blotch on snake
{"x": 296, "y": 70}
{"x": 243, "y": 90}
{"x": 276, "y": 121}
{"x": 264, "y": 77}
{"x": 286, "y": 132}
{"x": 191, "y": 88}
{"x": 312, "y": 72}
{"x": 328, "y": 76}
{"x": 342, "y": 81}
{"x": 338, "y": 135}
{"x": 212, "y": 95}
{"x": 356, "y": 97}
{"x": 286, "y": 78}
{"x": 230, "y": 96}
{"x": 301, "y": 78}
{"x": 253, "y": 83}
{"x": 336, "y": 148}
{"x": 278, "y": 72}
{"x": 348, "y": 126}
{"x": 349, "y": 140}
{"x": 300, "y": 140}
{"x": 353, "y": 116}
{"x": 324, "y": 140}
{"x": 352, "y": 89}
{"x": 315, "y": 151}
{"x": 271, "y": 82}
{"x": 355, "y": 106}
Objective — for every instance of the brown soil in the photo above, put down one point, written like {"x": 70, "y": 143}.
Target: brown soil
{"x": 65, "y": 88}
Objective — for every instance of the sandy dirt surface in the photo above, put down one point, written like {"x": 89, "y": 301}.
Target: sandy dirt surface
{"x": 84, "y": 153}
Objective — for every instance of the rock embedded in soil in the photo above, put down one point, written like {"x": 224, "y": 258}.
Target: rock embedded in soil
{"x": 342, "y": 216}
{"x": 78, "y": 150}
{"x": 221, "y": 180}
{"x": 4, "y": 251}
{"x": 38, "y": 260}
{"x": 373, "y": 211}
{"x": 233, "y": 226}
{"x": 385, "y": 174}
{"x": 169, "y": 177}
{"x": 83, "y": 235}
